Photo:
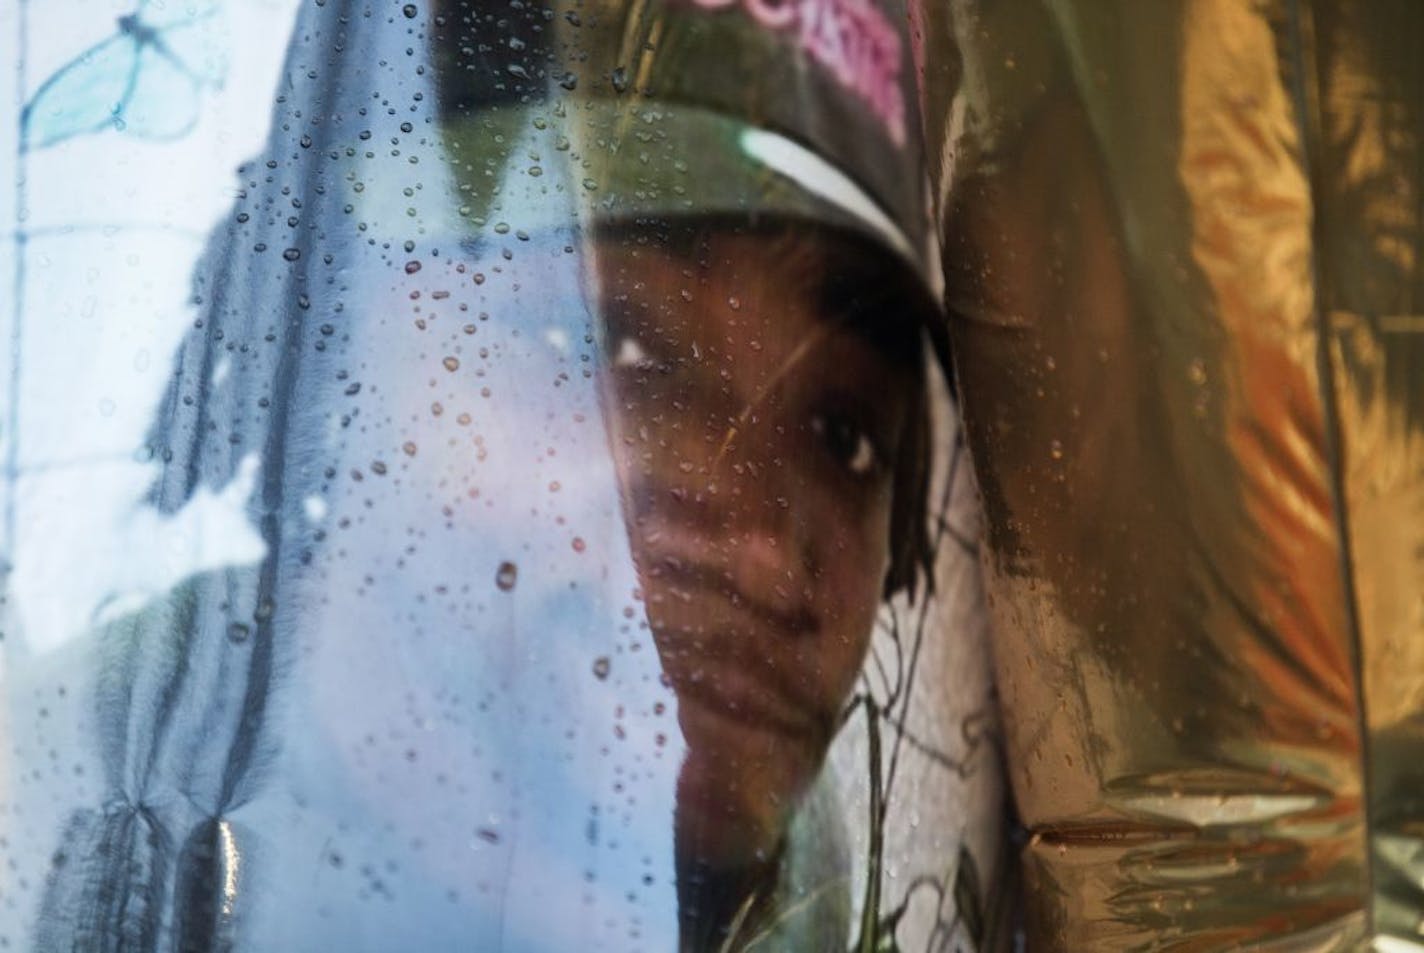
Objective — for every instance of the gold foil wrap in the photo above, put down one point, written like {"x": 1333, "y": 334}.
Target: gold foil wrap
{"x": 1182, "y": 254}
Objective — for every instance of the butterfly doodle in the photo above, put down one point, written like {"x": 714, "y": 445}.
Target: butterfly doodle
{"x": 146, "y": 80}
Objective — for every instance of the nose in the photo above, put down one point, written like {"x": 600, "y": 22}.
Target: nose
{"x": 771, "y": 564}
{"x": 706, "y": 459}
{"x": 736, "y": 489}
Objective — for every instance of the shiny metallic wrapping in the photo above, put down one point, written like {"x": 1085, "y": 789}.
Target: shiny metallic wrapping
{"x": 1182, "y": 249}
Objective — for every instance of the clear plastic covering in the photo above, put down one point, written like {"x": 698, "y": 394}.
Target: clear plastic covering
{"x": 518, "y": 510}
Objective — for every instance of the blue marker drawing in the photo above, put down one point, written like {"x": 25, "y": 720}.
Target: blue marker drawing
{"x": 146, "y": 80}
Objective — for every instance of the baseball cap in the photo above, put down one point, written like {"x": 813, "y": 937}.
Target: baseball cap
{"x": 800, "y": 109}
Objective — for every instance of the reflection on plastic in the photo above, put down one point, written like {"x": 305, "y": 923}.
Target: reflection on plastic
{"x": 1182, "y": 249}
{"x": 593, "y": 519}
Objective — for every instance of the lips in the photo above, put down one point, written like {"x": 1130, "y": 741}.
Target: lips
{"x": 732, "y": 687}
{"x": 729, "y": 653}
{"x": 689, "y": 578}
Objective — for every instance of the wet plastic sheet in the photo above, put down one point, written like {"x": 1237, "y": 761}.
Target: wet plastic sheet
{"x": 450, "y": 531}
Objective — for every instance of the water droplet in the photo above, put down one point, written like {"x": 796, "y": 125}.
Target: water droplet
{"x": 378, "y": 467}
{"x": 579, "y": 545}
{"x": 411, "y": 11}
{"x": 1055, "y": 449}
{"x": 601, "y": 665}
{"x": 452, "y": 364}
{"x": 411, "y": 267}
{"x": 409, "y": 448}
{"x": 238, "y": 632}
{"x": 734, "y": 303}
{"x": 620, "y": 79}
{"x": 506, "y": 576}
{"x": 292, "y": 254}
{"x": 569, "y": 82}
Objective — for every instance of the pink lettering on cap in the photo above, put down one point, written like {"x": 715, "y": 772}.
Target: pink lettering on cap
{"x": 852, "y": 40}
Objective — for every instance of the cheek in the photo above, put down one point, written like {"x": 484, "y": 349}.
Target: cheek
{"x": 853, "y": 557}
{"x": 853, "y": 542}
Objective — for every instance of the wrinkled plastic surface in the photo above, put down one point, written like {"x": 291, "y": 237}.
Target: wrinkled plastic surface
{"x": 1183, "y": 263}
{"x": 468, "y": 525}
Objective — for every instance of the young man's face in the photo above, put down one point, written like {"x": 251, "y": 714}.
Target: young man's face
{"x": 755, "y": 434}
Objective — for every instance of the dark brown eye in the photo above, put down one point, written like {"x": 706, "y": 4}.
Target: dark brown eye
{"x": 848, "y": 444}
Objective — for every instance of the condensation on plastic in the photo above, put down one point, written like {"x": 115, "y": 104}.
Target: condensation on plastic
{"x": 1181, "y": 250}
{"x": 329, "y": 616}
